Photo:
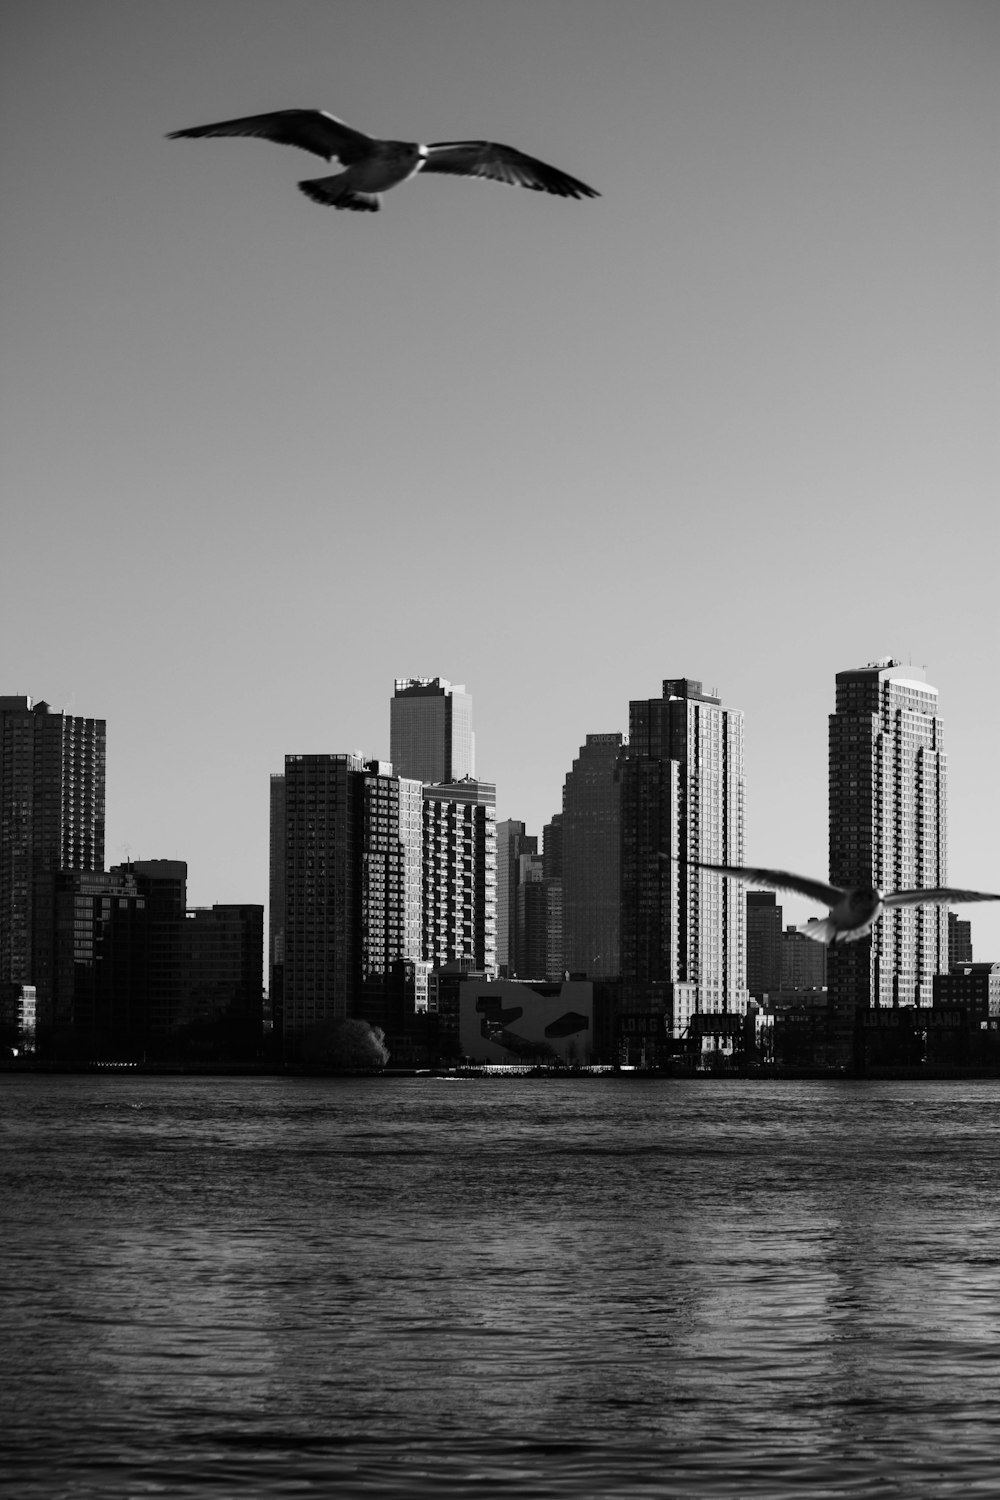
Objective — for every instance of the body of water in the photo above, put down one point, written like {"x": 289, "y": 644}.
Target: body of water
{"x": 498, "y": 1287}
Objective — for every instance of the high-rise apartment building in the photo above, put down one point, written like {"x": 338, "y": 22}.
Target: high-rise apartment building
{"x": 683, "y": 943}
{"x": 888, "y": 826}
{"x": 391, "y": 897}
{"x": 460, "y": 874}
{"x": 52, "y": 769}
{"x": 352, "y": 886}
{"x": 430, "y": 730}
{"x": 591, "y": 859}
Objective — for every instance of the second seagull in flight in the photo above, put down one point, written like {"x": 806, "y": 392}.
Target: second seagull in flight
{"x": 373, "y": 166}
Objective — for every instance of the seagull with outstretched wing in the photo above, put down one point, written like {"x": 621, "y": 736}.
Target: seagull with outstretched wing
{"x": 372, "y": 166}
{"x": 852, "y": 909}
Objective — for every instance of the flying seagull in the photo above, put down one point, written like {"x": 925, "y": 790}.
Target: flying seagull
{"x": 372, "y": 167}
{"x": 853, "y": 909}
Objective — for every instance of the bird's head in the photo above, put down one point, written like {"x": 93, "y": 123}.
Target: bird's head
{"x": 865, "y": 897}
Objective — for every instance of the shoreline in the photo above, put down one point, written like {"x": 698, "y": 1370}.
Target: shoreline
{"x": 501, "y": 1072}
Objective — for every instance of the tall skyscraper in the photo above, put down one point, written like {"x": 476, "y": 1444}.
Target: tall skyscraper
{"x": 763, "y": 943}
{"x": 52, "y": 769}
{"x": 162, "y": 883}
{"x": 276, "y": 906}
{"x": 512, "y": 842}
{"x": 460, "y": 874}
{"x": 352, "y": 887}
{"x": 222, "y": 948}
{"x": 552, "y": 879}
{"x": 959, "y": 939}
{"x": 591, "y": 859}
{"x": 430, "y": 730}
{"x": 538, "y": 946}
{"x": 683, "y": 931}
{"x": 888, "y": 825}
{"x": 803, "y": 962}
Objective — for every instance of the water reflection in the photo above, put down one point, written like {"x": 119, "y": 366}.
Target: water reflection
{"x": 573, "y": 1289}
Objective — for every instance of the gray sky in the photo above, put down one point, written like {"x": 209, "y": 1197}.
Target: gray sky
{"x": 737, "y": 419}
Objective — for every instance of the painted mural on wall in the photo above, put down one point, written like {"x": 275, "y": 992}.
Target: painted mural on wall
{"x": 509, "y": 1022}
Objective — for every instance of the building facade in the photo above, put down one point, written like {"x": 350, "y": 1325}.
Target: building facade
{"x": 539, "y": 949}
{"x": 276, "y": 907}
{"x": 683, "y": 930}
{"x": 162, "y": 885}
{"x": 512, "y": 843}
{"x": 460, "y": 874}
{"x": 959, "y": 939}
{"x": 222, "y": 951}
{"x": 52, "y": 783}
{"x": 101, "y": 967}
{"x": 508, "y": 1023}
{"x": 391, "y": 896}
{"x": 803, "y": 962}
{"x": 137, "y": 977}
{"x": 888, "y": 826}
{"x": 352, "y": 911}
{"x": 430, "y": 730}
{"x": 763, "y": 943}
{"x": 591, "y": 859}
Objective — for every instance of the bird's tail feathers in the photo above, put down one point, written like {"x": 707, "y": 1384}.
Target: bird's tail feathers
{"x": 337, "y": 193}
{"x": 819, "y": 929}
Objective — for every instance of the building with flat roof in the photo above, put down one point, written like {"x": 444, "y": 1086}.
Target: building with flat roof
{"x": 353, "y": 899}
{"x": 763, "y": 943}
{"x": 683, "y": 930}
{"x": 512, "y": 843}
{"x": 959, "y": 939}
{"x": 276, "y": 906}
{"x": 888, "y": 827}
{"x": 591, "y": 859}
{"x": 430, "y": 730}
{"x": 460, "y": 874}
{"x": 508, "y": 1022}
{"x": 222, "y": 949}
{"x": 52, "y": 783}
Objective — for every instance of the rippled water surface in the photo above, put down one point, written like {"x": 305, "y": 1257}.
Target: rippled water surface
{"x": 499, "y": 1287}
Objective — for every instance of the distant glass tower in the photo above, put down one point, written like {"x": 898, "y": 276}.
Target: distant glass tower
{"x": 683, "y": 931}
{"x": 430, "y": 730}
{"x": 888, "y": 826}
{"x": 52, "y": 770}
{"x": 512, "y": 842}
{"x": 763, "y": 943}
{"x": 591, "y": 859}
{"x": 276, "y": 906}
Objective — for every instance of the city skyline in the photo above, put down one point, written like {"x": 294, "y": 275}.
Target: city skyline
{"x": 893, "y": 674}
{"x": 384, "y": 882}
{"x": 736, "y": 417}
